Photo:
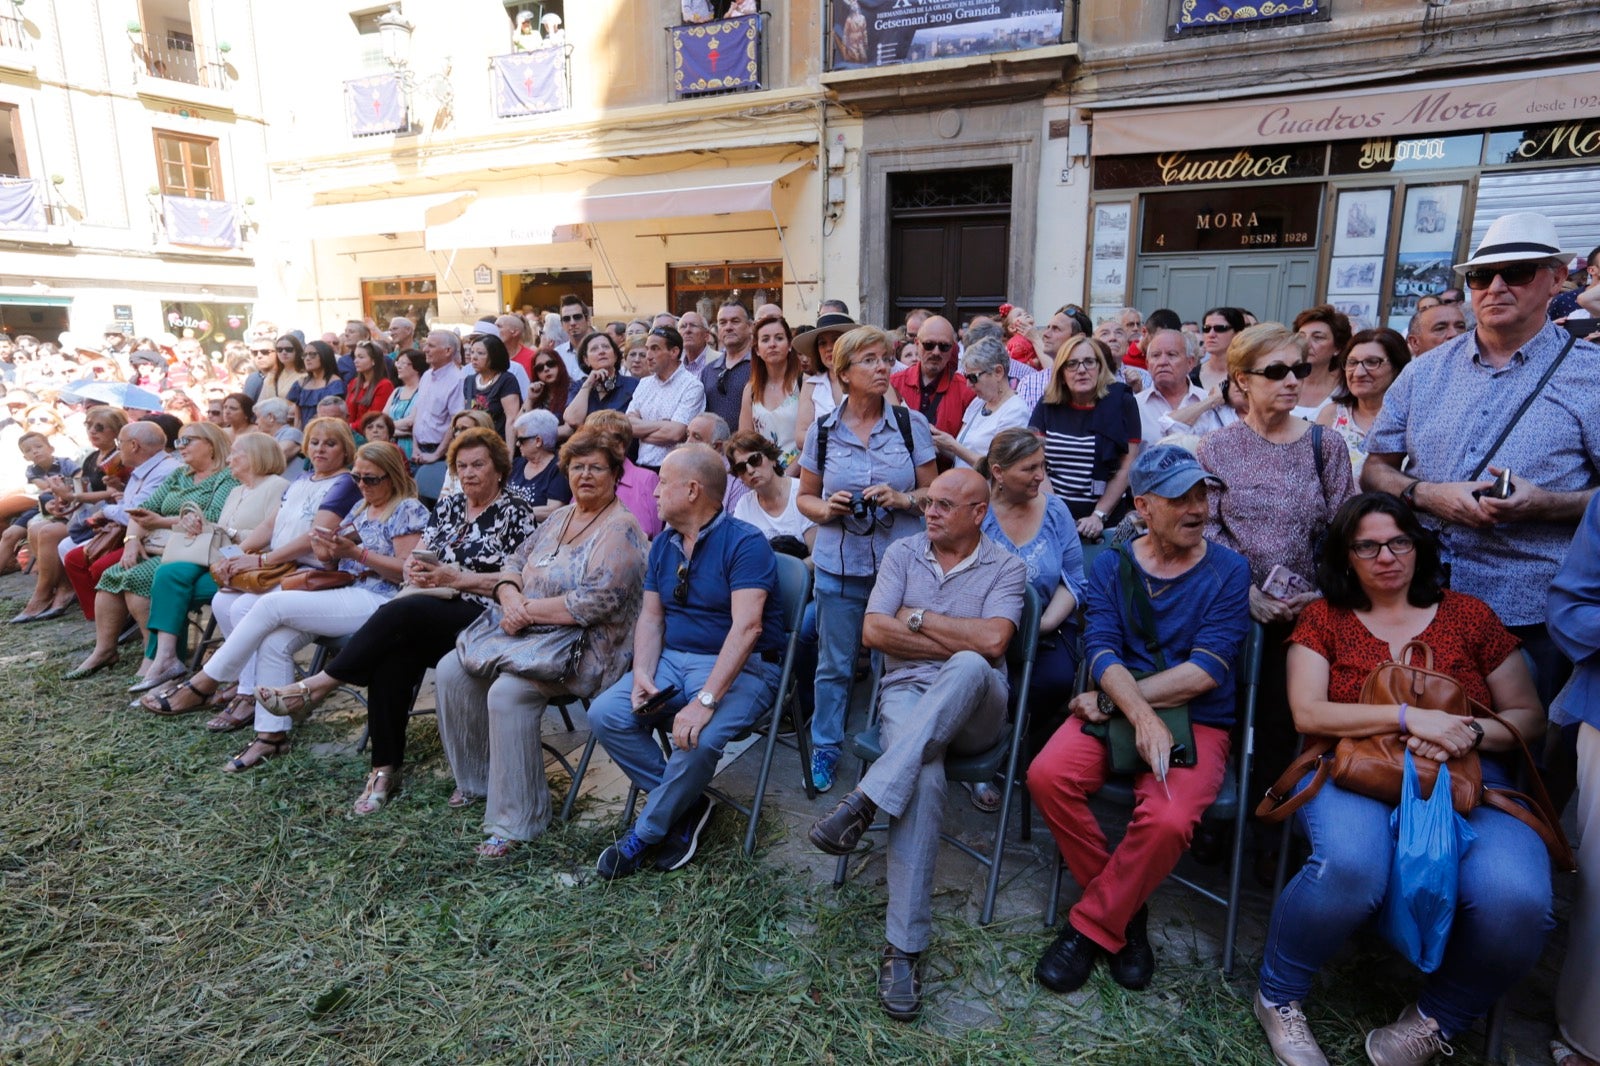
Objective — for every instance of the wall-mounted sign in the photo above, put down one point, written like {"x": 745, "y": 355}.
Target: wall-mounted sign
{"x": 1569, "y": 140}
{"x": 880, "y": 33}
{"x": 1248, "y": 219}
{"x": 1205, "y": 168}
{"x": 1384, "y": 155}
{"x": 482, "y": 275}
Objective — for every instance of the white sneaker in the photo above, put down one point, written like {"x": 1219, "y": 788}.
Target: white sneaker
{"x": 1289, "y": 1034}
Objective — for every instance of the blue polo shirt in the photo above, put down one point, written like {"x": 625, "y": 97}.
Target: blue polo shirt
{"x": 729, "y": 555}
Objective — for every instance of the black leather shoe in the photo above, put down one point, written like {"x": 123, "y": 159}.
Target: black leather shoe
{"x": 1135, "y": 964}
{"x": 1067, "y": 962}
{"x": 900, "y": 984}
{"x": 838, "y": 833}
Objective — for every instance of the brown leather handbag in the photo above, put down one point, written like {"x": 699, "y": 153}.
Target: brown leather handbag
{"x": 312, "y": 579}
{"x": 262, "y": 579}
{"x": 1374, "y": 766}
{"x": 107, "y": 540}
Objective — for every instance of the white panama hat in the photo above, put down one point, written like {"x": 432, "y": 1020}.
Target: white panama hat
{"x": 1515, "y": 238}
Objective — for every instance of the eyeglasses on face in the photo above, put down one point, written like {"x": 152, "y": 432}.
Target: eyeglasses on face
{"x": 265, "y": 351}
{"x": 681, "y": 592}
{"x": 1369, "y": 364}
{"x": 577, "y": 470}
{"x": 1081, "y": 364}
{"x": 579, "y": 317}
{"x": 369, "y": 479}
{"x": 1514, "y": 274}
{"x": 874, "y": 360}
{"x": 1369, "y": 549}
{"x": 751, "y": 462}
{"x": 1216, "y": 329}
{"x": 184, "y": 442}
{"x": 524, "y": 440}
{"x": 540, "y": 368}
{"x": 285, "y": 350}
{"x": 935, "y": 346}
{"x": 41, "y": 420}
{"x": 938, "y": 505}
{"x": 1279, "y": 371}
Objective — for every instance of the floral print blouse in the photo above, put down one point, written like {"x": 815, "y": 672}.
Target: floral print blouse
{"x": 484, "y": 544}
{"x": 377, "y": 535}
{"x": 602, "y": 577}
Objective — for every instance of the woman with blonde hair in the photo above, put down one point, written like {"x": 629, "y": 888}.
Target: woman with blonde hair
{"x": 1092, "y": 433}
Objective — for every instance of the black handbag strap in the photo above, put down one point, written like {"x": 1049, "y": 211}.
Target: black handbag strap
{"x": 1527, "y": 403}
{"x": 1136, "y": 600}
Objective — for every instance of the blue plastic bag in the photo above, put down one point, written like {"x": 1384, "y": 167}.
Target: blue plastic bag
{"x": 1430, "y": 839}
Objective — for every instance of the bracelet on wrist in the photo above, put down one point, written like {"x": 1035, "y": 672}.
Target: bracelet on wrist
{"x": 494, "y": 593}
{"x": 1403, "y": 728}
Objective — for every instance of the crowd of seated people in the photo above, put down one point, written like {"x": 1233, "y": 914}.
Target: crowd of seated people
{"x": 547, "y": 513}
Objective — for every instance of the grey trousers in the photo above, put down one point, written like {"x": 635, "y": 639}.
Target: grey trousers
{"x": 490, "y": 731}
{"x": 963, "y": 711}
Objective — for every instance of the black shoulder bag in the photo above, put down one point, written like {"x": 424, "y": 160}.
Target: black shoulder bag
{"x": 1527, "y": 403}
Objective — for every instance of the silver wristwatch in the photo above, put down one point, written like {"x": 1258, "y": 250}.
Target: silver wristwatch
{"x": 1101, "y": 515}
{"x": 914, "y": 620}
{"x": 706, "y": 700}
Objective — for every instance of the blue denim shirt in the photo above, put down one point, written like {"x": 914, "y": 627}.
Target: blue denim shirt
{"x": 1575, "y": 622}
{"x": 851, "y": 547}
{"x": 1447, "y": 407}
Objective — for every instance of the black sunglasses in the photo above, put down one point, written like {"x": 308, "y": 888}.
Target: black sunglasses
{"x": 722, "y": 379}
{"x": 369, "y": 479}
{"x": 284, "y": 349}
{"x": 1279, "y": 371}
{"x": 540, "y": 368}
{"x": 1216, "y": 329}
{"x": 573, "y": 318}
{"x": 681, "y": 593}
{"x": 752, "y": 462}
{"x": 935, "y": 346}
{"x": 1514, "y": 274}
{"x": 972, "y": 379}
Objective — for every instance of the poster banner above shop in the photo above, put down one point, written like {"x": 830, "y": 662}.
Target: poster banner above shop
{"x": 529, "y": 83}
{"x": 1203, "y": 14}
{"x": 716, "y": 56}
{"x": 880, "y": 33}
{"x": 1556, "y": 95}
{"x": 375, "y": 105}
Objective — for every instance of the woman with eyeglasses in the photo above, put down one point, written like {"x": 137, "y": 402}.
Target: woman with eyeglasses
{"x": 320, "y": 382}
{"x": 551, "y": 386}
{"x": 286, "y": 372}
{"x": 864, "y": 491}
{"x": 371, "y": 388}
{"x": 773, "y": 503}
{"x": 1368, "y": 365}
{"x": 1381, "y": 574}
{"x": 371, "y": 547}
{"x": 771, "y": 400}
{"x": 203, "y": 480}
{"x": 1092, "y": 433}
{"x": 986, "y": 365}
{"x": 535, "y": 474}
{"x": 605, "y": 385}
{"x": 584, "y": 567}
{"x": 79, "y": 498}
{"x": 1327, "y": 333}
{"x": 409, "y": 366}
{"x": 471, "y": 537}
{"x": 1218, "y": 327}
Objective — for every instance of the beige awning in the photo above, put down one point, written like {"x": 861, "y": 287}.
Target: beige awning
{"x": 1481, "y": 103}
{"x": 363, "y": 218}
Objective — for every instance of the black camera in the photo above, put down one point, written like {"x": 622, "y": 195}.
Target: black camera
{"x": 861, "y": 508}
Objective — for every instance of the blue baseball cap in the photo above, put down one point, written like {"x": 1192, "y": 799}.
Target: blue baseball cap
{"x": 1169, "y": 471}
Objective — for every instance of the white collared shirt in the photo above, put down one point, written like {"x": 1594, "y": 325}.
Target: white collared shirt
{"x": 677, "y": 399}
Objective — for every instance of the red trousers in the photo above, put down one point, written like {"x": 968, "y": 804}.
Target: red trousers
{"x": 1070, "y": 769}
{"x": 85, "y": 575}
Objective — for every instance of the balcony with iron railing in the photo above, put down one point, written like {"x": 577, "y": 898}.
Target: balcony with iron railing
{"x": 175, "y": 66}
{"x": 16, "y": 44}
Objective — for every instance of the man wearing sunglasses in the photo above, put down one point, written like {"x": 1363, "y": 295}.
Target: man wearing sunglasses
{"x": 933, "y": 387}
{"x": 575, "y": 320}
{"x": 710, "y": 634}
{"x": 1447, "y": 412}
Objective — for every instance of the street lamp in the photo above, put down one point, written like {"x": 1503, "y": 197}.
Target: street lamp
{"x": 394, "y": 32}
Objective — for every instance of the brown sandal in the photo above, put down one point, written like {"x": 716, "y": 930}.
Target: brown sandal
{"x": 240, "y": 712}
{"x": 264, "y": 747}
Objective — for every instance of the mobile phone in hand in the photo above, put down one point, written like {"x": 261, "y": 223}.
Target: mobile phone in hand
{"x": 425, "y": 556}
{"x": 657, "y": 702}
{"x": 1284, "y": 584}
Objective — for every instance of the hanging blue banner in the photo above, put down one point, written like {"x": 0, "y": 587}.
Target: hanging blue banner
{"x": 21, "y": 205}
{"x": 1196, "y": 14}
{"x": 203, "y": 223}
{"x": 716, "y": 56}
{"x": 375, "y": 105}
{"x": 530, "y": 83}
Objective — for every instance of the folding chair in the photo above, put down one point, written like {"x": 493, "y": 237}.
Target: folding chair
{"x": 430, "y": 479}
{"x": 208, "y": 638}
{"x": 1232, "y": 803}
{"x": 983, "y": 766}
{"x": 794, "y": 590}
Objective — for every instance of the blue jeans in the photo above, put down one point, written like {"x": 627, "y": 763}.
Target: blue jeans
{"x": 1502, "y": 916}
{"x": 841, "y": 606}
{"x": 630, "y": 739}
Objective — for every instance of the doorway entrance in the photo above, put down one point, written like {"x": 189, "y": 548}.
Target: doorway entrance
{"x": 949, "y": 242}
{"x": 540, "y": 291}
{"x": 1272, "y": 287}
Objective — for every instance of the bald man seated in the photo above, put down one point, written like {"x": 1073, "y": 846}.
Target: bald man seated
{"x": 707, "y": 655}
{"x": 945, "y": 605}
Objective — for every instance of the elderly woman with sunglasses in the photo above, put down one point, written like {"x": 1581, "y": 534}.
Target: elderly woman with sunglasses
{"x": 203, "y": 480}
{"x": 536, "y": 475}
{"x": 372, "y": 547}
{"x": 997, "y": 406}
{"x": 585, "y": 567}
{"x": 472, "y": 536}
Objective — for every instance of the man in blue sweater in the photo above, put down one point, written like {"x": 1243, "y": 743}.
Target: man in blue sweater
{"x": 1167, "y": 615}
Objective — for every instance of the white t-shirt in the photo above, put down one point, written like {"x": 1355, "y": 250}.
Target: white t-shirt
{"x": 822, "y": 401}
{"x": 791, "y": 522}
{"x": 978, "y": 428}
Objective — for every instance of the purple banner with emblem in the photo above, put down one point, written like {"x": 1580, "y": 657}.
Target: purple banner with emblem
{"x": 375, "y": 105}
{"x": 713, "y": 57}
{"x": 202, "y": 223}
{"x": 530, "y": 83}
{"x": 21, "y": 205}
{"x": 1198, "y": 14}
